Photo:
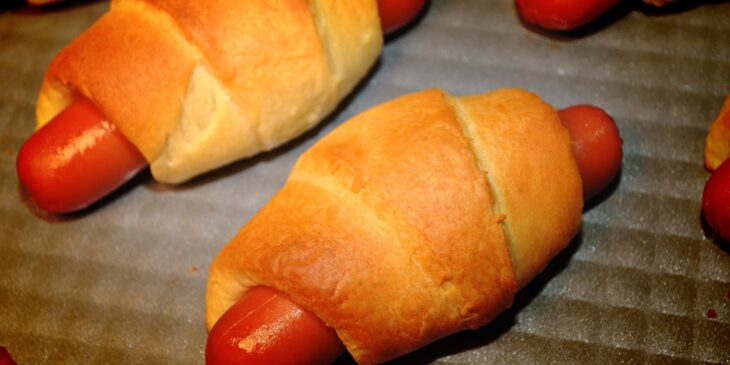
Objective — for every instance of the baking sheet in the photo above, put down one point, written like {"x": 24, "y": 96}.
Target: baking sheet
{"x": 125, "y": 281}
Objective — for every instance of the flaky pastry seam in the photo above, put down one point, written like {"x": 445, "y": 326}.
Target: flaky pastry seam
{"x": 475, "y": 144}
{"x": 201, "y": 60}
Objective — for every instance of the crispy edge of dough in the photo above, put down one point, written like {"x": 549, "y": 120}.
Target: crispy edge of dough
{"x": 717, "y": 143}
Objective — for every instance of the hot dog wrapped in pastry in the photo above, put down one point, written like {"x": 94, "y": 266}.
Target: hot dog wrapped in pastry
{"x": 194, "y": 85}
{"x": 416, "y": 219}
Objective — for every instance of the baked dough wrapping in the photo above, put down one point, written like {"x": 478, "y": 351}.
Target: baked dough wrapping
{"x": 717, "y": 143}
{"x": 414, "y": 220}
{"x": 198, "y": 84}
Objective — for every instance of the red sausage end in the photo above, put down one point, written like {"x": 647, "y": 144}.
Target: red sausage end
{"x": 76, "y": 159}
{"x": 562, "y": 15}
{"x": 597, "y": 146}
{"x": 266, "y": 327}
{"x": 716, "y": 201}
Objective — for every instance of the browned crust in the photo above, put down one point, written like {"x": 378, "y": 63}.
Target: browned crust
{"x": 717, "y": 144}
{"x": 386, "y": 228}
{"x": 270, "y": 70}
{"x": 134, "y": 67}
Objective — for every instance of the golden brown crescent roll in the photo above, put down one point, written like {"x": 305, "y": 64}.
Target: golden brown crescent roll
{"x": 198, "y": 84}
{"x": 416, "y": 219}
{"x": 717, "y": 144}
